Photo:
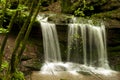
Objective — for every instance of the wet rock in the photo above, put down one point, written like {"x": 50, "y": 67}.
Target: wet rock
{"x": 25, "y": 58}
{"x": 32, "y": 65}
{"x": 112, "y": 18}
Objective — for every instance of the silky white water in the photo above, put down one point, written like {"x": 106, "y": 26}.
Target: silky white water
{"x": 93, "y": 41}
{"x": 50, "y": 41}
{"x": 86, "y": 49}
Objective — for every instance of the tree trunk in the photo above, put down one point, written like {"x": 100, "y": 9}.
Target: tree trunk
{"x": 22, "y": 47}
{"x": 19, "y": 39}
{"x": 6, "y": 37}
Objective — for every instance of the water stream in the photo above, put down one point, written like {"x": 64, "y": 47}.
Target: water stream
{"x": 87, "y": 45}
{"x": 87, "y": 50}
{"x": 50, "y": 41}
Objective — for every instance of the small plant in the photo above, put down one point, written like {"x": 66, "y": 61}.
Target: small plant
{"x": 18, "y": 76}
{"x": 2, "y": 1}
{"x": 4, "y": 66}
{"x": 2, "y": 30}
{"x": 80, "y": 11}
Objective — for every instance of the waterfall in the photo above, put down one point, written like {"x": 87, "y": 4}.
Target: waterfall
{"x": 87, "y": 45}
{"x": 50, "y": 41}
{"x": 87, "y": 50}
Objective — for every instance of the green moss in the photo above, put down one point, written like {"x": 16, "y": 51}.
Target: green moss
{"x": 109, "y": 14}
{"x": 34, "y": 65}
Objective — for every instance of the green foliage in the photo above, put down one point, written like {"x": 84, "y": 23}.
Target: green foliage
{"x": 4, "y": 4}
{"x": 2, "y": 30}
{"x": 18, "y": 76}
{"x": 4, "y": 66}
{"x": 22, "y": 7}
{"x": 12, "y": 74}
{"x": 76, "y": 38}
{"x": 80, "y": 11}
{"x": 3, "y": 1}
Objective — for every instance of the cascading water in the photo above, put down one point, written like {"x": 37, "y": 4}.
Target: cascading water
{"x": 50, "y": 41}
{"x": 52, "y": 52}
{"x": 86, "y": 49}
{"x": 93, "y": 41}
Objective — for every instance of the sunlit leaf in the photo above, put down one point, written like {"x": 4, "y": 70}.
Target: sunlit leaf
{"x": 2, "y": 30}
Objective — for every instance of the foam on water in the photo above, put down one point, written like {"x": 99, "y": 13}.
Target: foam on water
{"x": 50, "y": 41}
{"x": 73, "y": 68}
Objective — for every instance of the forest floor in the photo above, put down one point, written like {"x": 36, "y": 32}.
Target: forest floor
{"x": 30, "y": 49}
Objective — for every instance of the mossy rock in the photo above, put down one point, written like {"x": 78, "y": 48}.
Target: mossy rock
{"x": 114, "y": 60}
{"x": 34, "y": 65}
{"x": 25, "y": 58}
{"x": 84, "y": 73}
{"x": 114, "y": 14}
{"x": 114, "y": 49}
{"x": 112, "y": 18}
